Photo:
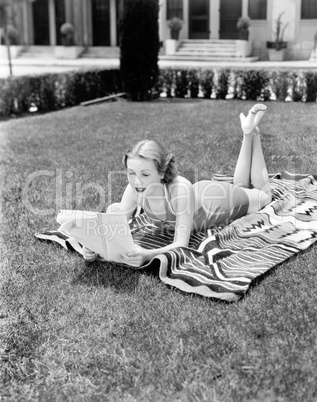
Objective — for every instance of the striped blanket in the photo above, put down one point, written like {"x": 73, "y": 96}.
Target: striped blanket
{"x": 222, "y": 262}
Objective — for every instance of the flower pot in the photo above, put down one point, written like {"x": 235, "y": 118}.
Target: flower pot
{"x": 243, "y": 48}
{"x": 175, "y": 34}
{"x": 171, "y": 46}
{"x": 68, "y": 52}
{"x": 243, "y": 34}
{"x": 15, "y": 51}
{"x": 276, "y": 55}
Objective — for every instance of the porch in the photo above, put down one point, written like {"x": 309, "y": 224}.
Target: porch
{"x": 185, "y": 50}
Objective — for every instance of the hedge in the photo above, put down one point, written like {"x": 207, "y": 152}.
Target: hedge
{"x": 50, "y": 92}
{"x": 256, "y": 85}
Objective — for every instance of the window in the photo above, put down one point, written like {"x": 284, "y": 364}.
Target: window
{"x": 174, "y": 9}
{"x": 101, "y": 22}
{"x": 257, "y": 9}
{"x": 309, "y": 9}
{"x": 60, "y": 18}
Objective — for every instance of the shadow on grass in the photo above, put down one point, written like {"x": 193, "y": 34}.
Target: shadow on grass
{"x": 117, "y": 276}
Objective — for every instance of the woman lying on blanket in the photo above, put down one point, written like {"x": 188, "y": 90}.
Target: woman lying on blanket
{"x": 168, "y": 198}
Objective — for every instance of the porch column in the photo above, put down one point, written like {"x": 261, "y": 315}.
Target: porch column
{"x": 113, "y": 23}
{"x": 29, "y": 26}
{"x": 163, "y": 32}
{"x": 185, "y": 29}
{"x": 52, "y": 22}
{"x": 89, "y": 22}
{"x": 69, "y": 11}
{"x": 244, "y": 8}
{"x": 26, "y": 24}
{"x": 85, "y": 23}
{"x": 214, "y": 18}
{"x": 78, "y": 7}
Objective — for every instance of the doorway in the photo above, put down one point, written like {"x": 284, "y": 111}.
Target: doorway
{"x": 41, "y": 23}
{"x": 230, "y": 12}
{"x": 199, "y": 19}
{"x": 60, "y": 18}
{"x": 101, "y": 22}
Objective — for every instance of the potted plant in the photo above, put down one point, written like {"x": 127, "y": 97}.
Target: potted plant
{"x": 243, "y": 45}
{"x": 243, "y": 25}
{"x": 175, "y": 25}
{"x": 13, "y": 38}
{"x": 67, "y": 32}
{"x": 276, "y": 48}
{"x": 69, "y": 50}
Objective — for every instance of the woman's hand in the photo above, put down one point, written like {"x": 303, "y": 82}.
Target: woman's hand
{"x": 89, "y": 255}
{"x": 137, "y": 257}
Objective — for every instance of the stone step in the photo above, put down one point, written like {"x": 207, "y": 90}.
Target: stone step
{"x": 208, "y": 50}
{"x": 37, "y": 52}
{"x": 101, "y": 52}
{"x": 30, "y": 55}
{"x": 39, "y": 49}
{"x": 208, "y": 46}
{"x": 211, "y": 41}
{"x": 176, "y": 57}
{"x": 211, "y": 52}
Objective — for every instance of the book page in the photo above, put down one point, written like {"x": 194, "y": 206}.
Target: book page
{"x": 116, "y": 235}
{"x": 107, "y": 234}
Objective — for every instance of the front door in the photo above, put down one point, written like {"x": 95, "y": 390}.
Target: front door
{"x": 230, "y": 12}
{"x": 101, "y": 22}
{"x": 199, "y": 19}
{"x": 60, "y": 18}
{"x": 41, "y": 22}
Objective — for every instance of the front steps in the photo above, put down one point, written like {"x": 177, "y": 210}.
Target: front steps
{"x": 101, "y": 52}
{"x": 37, "y": 52}
{"x": 189, "y": 50}
{"x": 48, "y": 52}
{"x": 208, "y": 50}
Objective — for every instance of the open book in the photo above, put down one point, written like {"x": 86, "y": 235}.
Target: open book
{"x": 106, "y": 234}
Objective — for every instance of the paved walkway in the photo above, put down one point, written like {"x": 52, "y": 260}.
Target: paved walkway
{"x": 23, "y": 66}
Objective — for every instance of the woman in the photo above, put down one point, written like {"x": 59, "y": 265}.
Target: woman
{"x": 170, "y": 199}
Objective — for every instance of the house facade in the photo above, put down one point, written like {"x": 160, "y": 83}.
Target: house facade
{"x": 96, "y": 22}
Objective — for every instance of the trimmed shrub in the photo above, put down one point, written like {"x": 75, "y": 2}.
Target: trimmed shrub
{"x": 166, "y": 81}
{"x": 236, "y": 83}
{"x": 298, "y": 86}
{"x": 193, "y": 83}
{"x": 222, "y": 84}
{"x": 207, "y": 83}
{"x": 181, "y": 84}
{"x": 139, "y": 46}
{"x": 280, "y": 84}
{"x": 311, "y": 86}
{"x": 254, "y": 83}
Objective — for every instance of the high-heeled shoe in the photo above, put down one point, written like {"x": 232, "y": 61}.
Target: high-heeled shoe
{"x": 253, "y": 118}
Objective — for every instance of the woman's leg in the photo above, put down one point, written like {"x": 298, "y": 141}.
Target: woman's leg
{"x": 259, "y": 174}
{"x": 242, "y": 173}
{"x": 251, "y": 172}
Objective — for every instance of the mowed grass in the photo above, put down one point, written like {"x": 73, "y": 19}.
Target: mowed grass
{"x": 103, "y": 332}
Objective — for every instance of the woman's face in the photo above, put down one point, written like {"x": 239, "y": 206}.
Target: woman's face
{"x": 143, "y": 175}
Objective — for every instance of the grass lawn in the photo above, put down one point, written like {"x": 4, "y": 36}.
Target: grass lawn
{"x": 100, "y": 332}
